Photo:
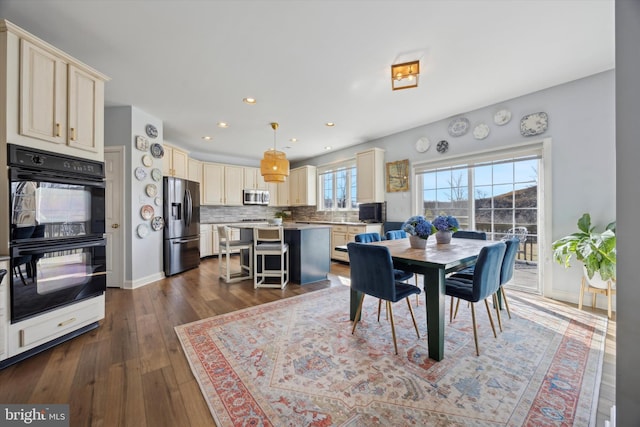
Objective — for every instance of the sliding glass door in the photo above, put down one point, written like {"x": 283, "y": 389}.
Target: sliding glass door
{"x": 500, "y": 196}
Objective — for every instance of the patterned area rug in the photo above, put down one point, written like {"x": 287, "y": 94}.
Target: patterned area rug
{"x": 294, "y": 362}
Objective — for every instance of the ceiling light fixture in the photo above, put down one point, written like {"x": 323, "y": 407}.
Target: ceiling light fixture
{"x": 249, "y": 101}
{"x": 405, "y": 75}
{"x": 274, "y": 167}
{"x": 330, "y": 124}
{"x": 223, "y": 125}
{"x": 207, "y": 138}
{"x": 294, "y": 140}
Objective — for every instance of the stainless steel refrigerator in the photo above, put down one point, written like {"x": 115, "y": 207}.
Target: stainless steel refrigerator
{"x": 182, "y": 225}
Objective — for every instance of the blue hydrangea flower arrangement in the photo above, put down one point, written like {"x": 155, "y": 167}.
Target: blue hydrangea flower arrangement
{"x": 446, "y": 223}
{"x": 418, "y": 226}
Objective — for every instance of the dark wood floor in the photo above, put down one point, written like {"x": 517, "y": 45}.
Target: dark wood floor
{"x": 131, "y": 370}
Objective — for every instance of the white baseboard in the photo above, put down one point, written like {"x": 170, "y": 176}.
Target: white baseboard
{"x": 133, "y": 284}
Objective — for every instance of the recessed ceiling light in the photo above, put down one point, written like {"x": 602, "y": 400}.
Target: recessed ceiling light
{"x": 294, "y": 140}
{"x": 328, "y": 147}
{"x": 223, "y": 125}
{"x": 249, "y": 101}
{"x": 330, "y": 124}
{"x": 207, "y": 138}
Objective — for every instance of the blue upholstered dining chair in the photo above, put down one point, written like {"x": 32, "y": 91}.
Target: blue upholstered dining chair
{"x": 485, "y": 283}
{"x": 395, "y": 234}
{"x": 372, "y": 274}
{"x": 470, "y": 234}
{"x": 506, "y": 274}
{"x": 399, "y": 275}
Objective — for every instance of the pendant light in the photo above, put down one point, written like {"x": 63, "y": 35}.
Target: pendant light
{"x": 274, "y": 167}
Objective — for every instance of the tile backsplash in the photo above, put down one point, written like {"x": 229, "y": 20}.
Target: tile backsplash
{"x": 213, "y": 214}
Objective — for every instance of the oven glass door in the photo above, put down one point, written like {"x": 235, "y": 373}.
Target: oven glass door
{"x": 44, "y": 209}
{"x": 44, "y": 277}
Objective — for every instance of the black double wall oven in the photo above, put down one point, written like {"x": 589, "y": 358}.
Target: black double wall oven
{"x": 57, "y": 220}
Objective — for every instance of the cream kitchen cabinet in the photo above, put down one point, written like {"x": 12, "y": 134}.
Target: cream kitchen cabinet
{"x": 194, "y": 173}
{"x": 302, "y": 186}
{"x": 253, "y": 179}
{"x": 175, "y": 162}
{"x": 370, "y": 176}
{"x": 194, "y": 170}
{"x": 206, "y": 242}
{"x": 50, "y": 97}
{"x": 343, "y": 234}
{"x": 284, "y": 193}
{"x": 233, "y": 185}
{"x": 222, "y": 184}
{"x": 212, "y": 184}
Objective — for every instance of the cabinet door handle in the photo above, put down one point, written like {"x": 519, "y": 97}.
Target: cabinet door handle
{"x": 115, "y": 225}
{"x": 57, "y": 130}
{"x": 73, "y": 134}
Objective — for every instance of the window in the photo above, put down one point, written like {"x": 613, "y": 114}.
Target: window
{"x": 492, "y": 196}
{"x": 337, "y": 186}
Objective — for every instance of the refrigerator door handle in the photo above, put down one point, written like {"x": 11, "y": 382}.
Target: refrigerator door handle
{"x": 189, "y": 207}
{"x": 181, "y": 241}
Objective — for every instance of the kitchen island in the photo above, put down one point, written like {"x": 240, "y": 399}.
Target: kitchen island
{"x": 309, "y": 250}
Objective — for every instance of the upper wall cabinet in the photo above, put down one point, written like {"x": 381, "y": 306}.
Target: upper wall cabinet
{"x": 212, "y": 184}
{"x": 175, "y": 162}
{"x": 50, "y": 97}
{"x": 302, "y": 186}
{"x": 370, "y": 167}
{"x": 253, "y": 179}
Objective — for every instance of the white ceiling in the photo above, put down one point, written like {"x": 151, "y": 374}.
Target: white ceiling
{"x": 191, "y": 62}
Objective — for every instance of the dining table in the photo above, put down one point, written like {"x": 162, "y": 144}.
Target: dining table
{"x": 433, "y": 263}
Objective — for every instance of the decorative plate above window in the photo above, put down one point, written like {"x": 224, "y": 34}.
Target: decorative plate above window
{"x": 459, "y": 126}
{"x": 534, "y": 124}
{"x": 423, "y": 144}
{"x": 442, "y": 147}
{"x": 502, "y": 117}
{"x": 481, "y": 131}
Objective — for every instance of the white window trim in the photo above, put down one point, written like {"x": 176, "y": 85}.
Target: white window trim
{"x": 330, "y": 168}
{"x": 539, "y": 146}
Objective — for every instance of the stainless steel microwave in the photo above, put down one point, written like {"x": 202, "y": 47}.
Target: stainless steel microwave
{"x": 256, "y": 197}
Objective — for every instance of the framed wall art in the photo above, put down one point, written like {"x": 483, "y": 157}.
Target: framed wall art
{"x": 398, "y": 176}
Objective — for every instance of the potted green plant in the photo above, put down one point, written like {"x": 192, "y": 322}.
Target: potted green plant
{"x": 595, "y": 250}
{"x": 278, "y": 218}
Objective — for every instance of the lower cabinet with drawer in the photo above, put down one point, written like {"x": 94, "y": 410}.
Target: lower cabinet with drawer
{"x": 38, "y": 333}
{"x": 343, "y": 234}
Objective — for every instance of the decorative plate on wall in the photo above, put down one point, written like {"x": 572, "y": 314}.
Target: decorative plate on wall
{"x": 157, "y": 151}
{"x": 157, "y": 223}
{"x": 423, "y": 144}
{"x": 142, "y": 143}
{"x": 502, "y": 117}
{"x": 459, "y": 126}
{"x": 143, "y": 230}
{"x": 147, "y": 160}
{"x": 158, "y": 201}
{"x": 481, "y": 131}
{"x": 151, "y": 190}
{"x": 534, "y": 124}
{"x": 140, "y": 173}
{"x": 442, "y": 146}
{"x": 152, "y": 131}
{"x": 146, "y": 212}
{"x": 156, "y": 174}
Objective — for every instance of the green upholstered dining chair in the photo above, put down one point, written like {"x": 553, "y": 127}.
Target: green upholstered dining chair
{"x": 484, "y": 283}
{"x": 372, "y": 274}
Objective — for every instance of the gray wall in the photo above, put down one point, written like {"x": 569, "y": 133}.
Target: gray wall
{"x": 628, "y": 205}
{"x": 582, "y": 129}
{"x": 122, "y": 124}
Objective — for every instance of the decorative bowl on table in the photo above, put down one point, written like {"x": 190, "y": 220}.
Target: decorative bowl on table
{"x": 275, "y": 221}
